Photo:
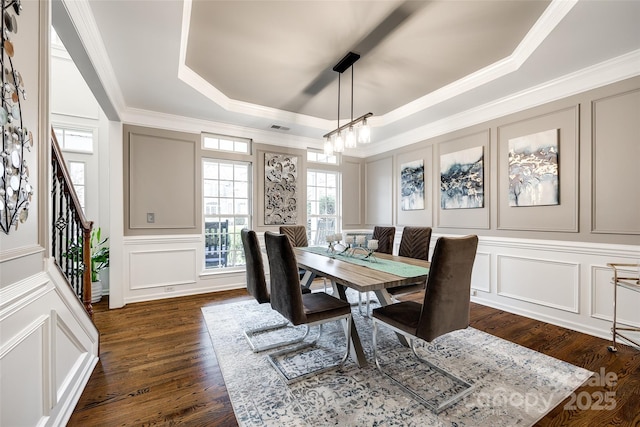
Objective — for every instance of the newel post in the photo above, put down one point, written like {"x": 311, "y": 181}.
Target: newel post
{"x": 86, "y": 275}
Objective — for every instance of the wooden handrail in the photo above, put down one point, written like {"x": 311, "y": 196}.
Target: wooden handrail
{"x": 71, "y": 231}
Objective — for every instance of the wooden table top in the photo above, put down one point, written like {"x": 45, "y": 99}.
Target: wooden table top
{"x": 358, "y": 277}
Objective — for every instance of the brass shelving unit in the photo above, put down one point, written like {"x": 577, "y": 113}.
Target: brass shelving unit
{"x": 623, "y": 278}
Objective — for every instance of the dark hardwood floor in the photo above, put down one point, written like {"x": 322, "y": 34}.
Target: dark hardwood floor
{"x": 157, "y": 367}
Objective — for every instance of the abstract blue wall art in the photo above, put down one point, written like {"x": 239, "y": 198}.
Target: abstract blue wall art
{"x": 412, "y": 185}
{"x": 533, "y": 169}
{"x": 462, "y": 179}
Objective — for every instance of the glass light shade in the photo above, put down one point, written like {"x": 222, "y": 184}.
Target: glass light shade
{"x": 350, "y": 140}
{"x": 328, "y": 147}
{"x": 364, "y": 133}
{"x": 338, "y": 144}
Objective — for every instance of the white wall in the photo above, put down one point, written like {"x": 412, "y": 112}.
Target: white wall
{"x": 48, "y": 344}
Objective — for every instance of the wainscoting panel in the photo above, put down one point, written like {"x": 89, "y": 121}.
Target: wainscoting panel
{"x": 67, "y": 357}
{"x": 170, "y": 266}
{"x": 481, "y": 276}
{"x": 24, "y": 360}
{"x": 602, "y": 298}
{"x": 541, "y": 281}
{"x": 159, "y": 268}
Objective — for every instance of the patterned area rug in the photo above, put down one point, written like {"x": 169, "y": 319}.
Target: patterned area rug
{"x": 512, "y": 385}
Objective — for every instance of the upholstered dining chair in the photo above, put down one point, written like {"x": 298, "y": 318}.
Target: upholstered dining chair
{"x": 385, "y": 237}
{"x": 310, "y": 309}
{"x": 297, "y": 235}
{"x": 414, "y": 244}
{"x": 445, "y": 309}
{"x": 257, "y": 287}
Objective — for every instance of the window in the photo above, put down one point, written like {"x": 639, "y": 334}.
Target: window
{"x": 76, "y": 170}
{"x": 226, "y": 143}
{"x": 74, "y": 139}
{"x": 227, "y": 207}
{"x": 318, "y": 156}
{"x": 323, "y": 210}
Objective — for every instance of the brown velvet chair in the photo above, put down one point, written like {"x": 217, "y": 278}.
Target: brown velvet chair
{"x": 385, "y": 237}
{"x": 297, "y": 235}
{"x": 310, "y": 309}
{"x": 445, "y": 309}
{"x": 414, "y": 244}
{"x": 257, "y": 287}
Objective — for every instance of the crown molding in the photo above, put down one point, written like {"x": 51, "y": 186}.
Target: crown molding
{"x": 134, "y": 116}
{"x": 604, "y": 73}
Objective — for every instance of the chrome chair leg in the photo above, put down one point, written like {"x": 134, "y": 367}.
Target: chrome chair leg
{"x": 435, "y": 408}
{"x": 250, "y": 333}
{"x": 272, "y": 357}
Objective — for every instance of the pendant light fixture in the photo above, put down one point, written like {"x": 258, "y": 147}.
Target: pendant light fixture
{"x": 350, "y": 134}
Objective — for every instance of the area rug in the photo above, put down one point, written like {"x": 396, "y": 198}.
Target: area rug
{"x": 512, "y": 385}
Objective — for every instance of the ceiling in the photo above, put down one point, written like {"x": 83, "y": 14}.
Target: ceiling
{"x": 255, "y": 64}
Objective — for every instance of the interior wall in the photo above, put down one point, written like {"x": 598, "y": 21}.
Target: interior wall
{"x": 548, "y": 262}
{"x": 48, "y": 344}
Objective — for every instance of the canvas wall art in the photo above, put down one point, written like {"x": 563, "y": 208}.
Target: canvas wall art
{"x": 533, "y": 169}
{"x": 280, "y": 189}
{"x": 462, "y": 179}
{"x": 412, "y": 185}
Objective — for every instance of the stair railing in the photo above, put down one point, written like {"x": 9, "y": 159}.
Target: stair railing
{"x": 71, "y": 231}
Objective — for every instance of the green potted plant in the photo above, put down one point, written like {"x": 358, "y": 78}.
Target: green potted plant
{"x": 99, "y": 260}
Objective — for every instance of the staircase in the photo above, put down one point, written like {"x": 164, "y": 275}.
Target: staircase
{"x": 71, "y": 231}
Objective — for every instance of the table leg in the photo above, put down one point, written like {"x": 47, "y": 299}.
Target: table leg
{"x": 385, "y": 299}
{"x": 356, "y": 345}
{"x": 307, "y": 279}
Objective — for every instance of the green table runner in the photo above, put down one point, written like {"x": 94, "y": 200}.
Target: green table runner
{"x": 393, "y": 267}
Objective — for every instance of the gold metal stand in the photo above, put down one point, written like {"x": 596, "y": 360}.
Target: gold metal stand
{"x": 623, "y": 277}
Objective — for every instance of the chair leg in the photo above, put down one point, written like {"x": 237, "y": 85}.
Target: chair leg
{"x": 436, "y": 408}
{"x": 290, "y": 379}
{"x": 250, "y": 333}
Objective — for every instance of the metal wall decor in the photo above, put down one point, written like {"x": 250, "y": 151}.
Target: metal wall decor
{"x": 15, "y": 190}
{"x": 280, "y": 189}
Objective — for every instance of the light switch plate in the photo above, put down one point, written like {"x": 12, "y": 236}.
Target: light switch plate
{"x": 151, "y": 217}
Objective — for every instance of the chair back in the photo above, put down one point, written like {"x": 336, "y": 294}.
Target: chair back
{"x": 415, "y": 242}
{"x": 256, "y": 282}
{"x": 297, "y": 235}
{"x": 286, "y": 294}
{"x": 446, "y": 300}
{"x": 384, "y": 236}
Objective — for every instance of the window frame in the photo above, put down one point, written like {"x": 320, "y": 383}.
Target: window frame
{"x": 338, "y": 208}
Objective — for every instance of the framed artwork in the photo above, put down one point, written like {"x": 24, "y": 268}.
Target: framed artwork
{"x": 533, "y": 169}
{"x": 462, "y": 179}
{"x": 280, "y": 189}
{"x": 412, "y": 185}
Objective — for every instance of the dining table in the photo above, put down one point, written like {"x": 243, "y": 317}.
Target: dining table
{"x": 362, "y": 272}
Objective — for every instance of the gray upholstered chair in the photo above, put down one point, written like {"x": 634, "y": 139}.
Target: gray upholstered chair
{"x": 445, "y": 309}
{"x": 257, "y": 287}
{"x": 414, "y": 244}
{"x": 310, "y": 309}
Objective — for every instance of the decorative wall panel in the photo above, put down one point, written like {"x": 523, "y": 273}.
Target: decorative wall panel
{"x": 541, "y": 281}
{"x": 280, "y": 189}
{"x": 158, "y": 268}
